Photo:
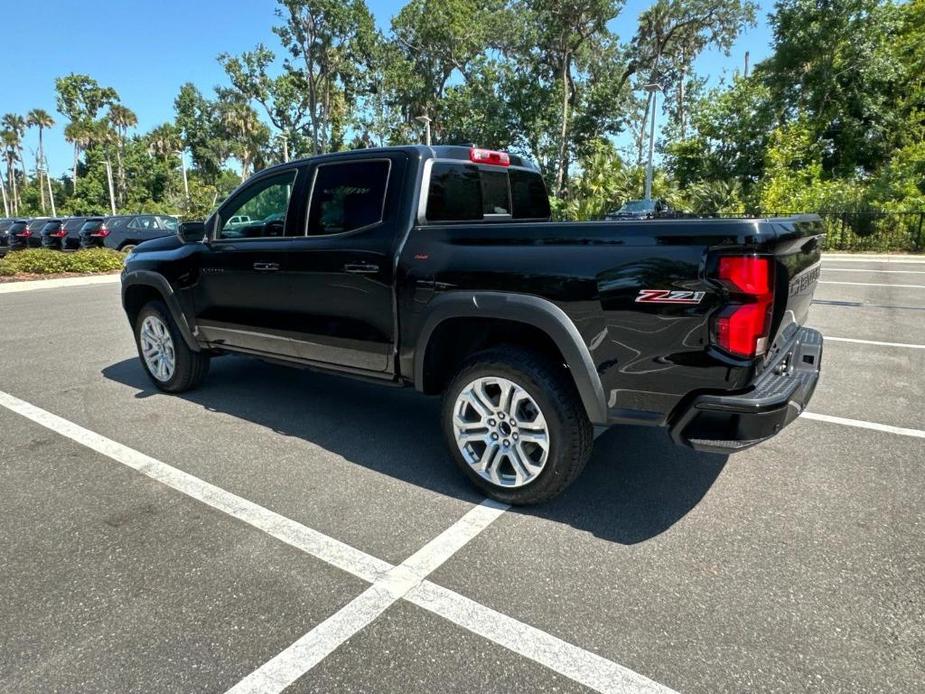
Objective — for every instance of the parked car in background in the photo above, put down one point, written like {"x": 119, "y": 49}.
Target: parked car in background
{"x": 643, "y": 209}
{"x": 53, "y": 234}
{"x": 26, "y": 233}
{"x": 73, "y": 225}
{"x": 124, "y": 232}
{"x": 92, "y": 233}
{"x": 5, "y": 224}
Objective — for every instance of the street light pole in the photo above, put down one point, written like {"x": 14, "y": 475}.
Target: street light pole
{"x": 179, "y": 153}
{"x": 653, "y": 90}
{"x": 426, "y": 120}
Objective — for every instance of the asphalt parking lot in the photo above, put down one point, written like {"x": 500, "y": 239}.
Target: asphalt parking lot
{"x": 282, "y": 528}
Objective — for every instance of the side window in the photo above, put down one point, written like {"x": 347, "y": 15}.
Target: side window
{"x": 346, "y": 197}
{"x": 143, "y": 223}
{"x": 455, "y": 193}
{"x": 259, "y": 210}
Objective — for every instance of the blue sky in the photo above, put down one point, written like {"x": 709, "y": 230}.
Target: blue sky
{"x": 146, "y": 50}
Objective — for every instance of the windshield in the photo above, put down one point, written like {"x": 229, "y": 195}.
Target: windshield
{"x": 638, "y": 206}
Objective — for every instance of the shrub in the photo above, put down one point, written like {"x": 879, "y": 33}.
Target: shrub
{"x": 48, "y": 262}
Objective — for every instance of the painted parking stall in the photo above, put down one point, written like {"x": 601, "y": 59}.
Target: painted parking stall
{"x": 661, "y": 570}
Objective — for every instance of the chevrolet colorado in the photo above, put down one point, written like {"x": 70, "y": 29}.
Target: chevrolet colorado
{"x": 438, "y": 268}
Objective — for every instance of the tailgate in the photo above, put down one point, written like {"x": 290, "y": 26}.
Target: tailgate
{"x": 798, "y": 262}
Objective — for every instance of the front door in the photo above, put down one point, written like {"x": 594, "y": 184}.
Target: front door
{"x": 244, "y": 296}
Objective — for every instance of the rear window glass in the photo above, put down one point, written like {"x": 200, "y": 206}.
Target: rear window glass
{"x": 51, "y": 226}
{"x": 528, "y": 195}
{"x": 92, "y": 225}
{"x": 18, "y": 226}
{"x": 495, "y": 193}
{"x": 455, "y": 193}
{"x": 465, "y": 192}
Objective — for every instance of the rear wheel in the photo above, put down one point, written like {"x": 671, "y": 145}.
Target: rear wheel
{"x": 169, "y": 362}
{"x": 515, "y": 425}
{"x": 128, "y": 248}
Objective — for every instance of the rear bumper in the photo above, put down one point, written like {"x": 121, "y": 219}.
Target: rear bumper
{"x": 730, "y": 423}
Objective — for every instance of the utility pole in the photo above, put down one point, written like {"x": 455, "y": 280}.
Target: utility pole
{"x": 653, "y": 90}
{"x": 112, "y": 194}
{"x": 746, "y": 64}
{"x": 51, "y": 194}
{"x": 179, "y": 153}
{"x": 426, "y": 120}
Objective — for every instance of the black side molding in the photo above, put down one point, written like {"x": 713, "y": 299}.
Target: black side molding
{"x": 521, "y": 308}
{"x": 160, "y": 283}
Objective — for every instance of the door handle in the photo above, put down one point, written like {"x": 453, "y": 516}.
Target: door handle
{"x": 361, "y": 268}
{"x": 266, "y": 267}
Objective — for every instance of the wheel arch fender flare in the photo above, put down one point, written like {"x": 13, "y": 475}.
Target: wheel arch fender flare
{"x": 156, "y": 281}
{"x": 521, "y": 308}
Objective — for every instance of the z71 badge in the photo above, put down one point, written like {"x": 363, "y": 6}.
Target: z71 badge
{"x": 668, "y": 296}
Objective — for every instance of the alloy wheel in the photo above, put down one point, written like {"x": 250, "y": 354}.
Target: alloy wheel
{"x": 501, "y": 431}
{"x": 157, "y": 348}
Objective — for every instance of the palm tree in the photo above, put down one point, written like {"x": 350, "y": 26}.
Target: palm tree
{"x": 17, "y": 125}
{"x": 121, "y": 118}
{"x": 38, "y": 118}
{"x": 9, "y": 141}
{"x": 246, "y": 131}
{"x": 79, "y": 135}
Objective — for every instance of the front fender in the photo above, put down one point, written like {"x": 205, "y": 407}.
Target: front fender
{"x": 522, "y": 308}
{"x": 158, "y": 282}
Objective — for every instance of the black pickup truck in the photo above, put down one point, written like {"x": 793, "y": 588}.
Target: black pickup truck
{"x": 438, "y": 268}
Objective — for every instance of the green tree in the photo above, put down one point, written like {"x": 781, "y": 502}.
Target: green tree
{"x": 80, "y": 98}
{"x": 41, "y": 119}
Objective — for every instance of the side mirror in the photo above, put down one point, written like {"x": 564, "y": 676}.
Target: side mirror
{"x": 192, "y": 232}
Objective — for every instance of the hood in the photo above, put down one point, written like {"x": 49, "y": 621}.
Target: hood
{"x": 164, "y": 243}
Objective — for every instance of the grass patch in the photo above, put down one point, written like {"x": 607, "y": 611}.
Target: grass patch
{"x": 40, "y": 261}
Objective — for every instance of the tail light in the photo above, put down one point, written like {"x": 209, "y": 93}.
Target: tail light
{"x": 742, "y": 328}
{"x": 60, "y": 234}
{"x": 101, "y": 233}
{"x": 25, "y": 233}
{"x": 487, "y": 156}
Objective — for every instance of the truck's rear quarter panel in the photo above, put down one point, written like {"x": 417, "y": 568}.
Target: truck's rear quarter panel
{"x": 649, "y": 355}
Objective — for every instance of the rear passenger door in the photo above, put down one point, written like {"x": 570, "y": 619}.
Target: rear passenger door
{"x": 343, "y": 270}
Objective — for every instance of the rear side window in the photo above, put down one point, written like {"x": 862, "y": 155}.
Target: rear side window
{"x": 465, "y": 192}
{"x": 346, "y": 197}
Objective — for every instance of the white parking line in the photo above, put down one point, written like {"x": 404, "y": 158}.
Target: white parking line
{"x": 868, "y": 284}
{"x": 852, "y": 258}
{"x": 294, "y": 662}
{"x": 864, "y": 269}
{"x": 861, "y": 424}
{"x": 589, "y": 669}
{"x": 404, "y": 580}
{"x": 829, "y": 338}
{"x": 31, "y": 285}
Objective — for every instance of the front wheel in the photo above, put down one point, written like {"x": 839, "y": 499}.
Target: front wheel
{"x": 169, "y": 362}
{"x": 515, "y": 425}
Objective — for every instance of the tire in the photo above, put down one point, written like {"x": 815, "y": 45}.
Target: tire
{"x": 475, "y": 421}
{"x": 189, "y": 368}
{"x": 127, "y": 248}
